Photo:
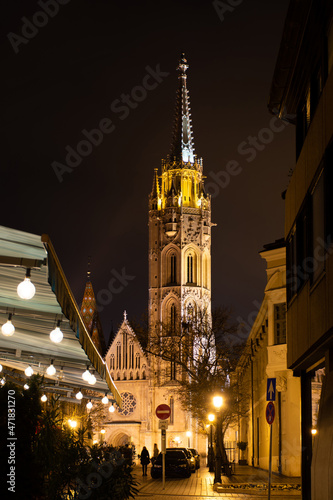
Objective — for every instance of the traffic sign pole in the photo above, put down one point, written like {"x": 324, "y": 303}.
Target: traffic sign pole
{"x": 163, "y": 412}
{"x": 270, "y": 415}
{"x": 270, "y": 463}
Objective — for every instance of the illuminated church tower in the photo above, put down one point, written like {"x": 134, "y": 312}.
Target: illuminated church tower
{"x": 179, "y": 230}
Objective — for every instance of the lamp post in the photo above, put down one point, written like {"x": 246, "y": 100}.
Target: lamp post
{"x": 218, "y": 402}
{"x": 211, "y": 418}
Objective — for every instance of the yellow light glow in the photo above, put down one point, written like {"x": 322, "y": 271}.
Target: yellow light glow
{"x": 72, "y": 423}
{"x": 217, "y": 401}
{"x": 314, "y": 432}
{"x": 188, "y": 434}
{"x": 177, "y": 439}
{"x": 103, "y": 431}
{"x": 211, "y": 417}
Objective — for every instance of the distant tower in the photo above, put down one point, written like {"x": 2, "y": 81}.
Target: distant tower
{"x": 179, "y": 229}
{"x": 90, "y": 315}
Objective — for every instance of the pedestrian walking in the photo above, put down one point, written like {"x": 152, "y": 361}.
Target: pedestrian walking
{"x": 145, "y": 459}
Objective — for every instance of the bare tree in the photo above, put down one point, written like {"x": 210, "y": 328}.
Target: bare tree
{"x": 205, "y": 350}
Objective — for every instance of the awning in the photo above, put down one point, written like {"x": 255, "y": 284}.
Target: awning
{"x": 35, "y": 318}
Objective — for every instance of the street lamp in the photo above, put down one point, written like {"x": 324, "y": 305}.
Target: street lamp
{"x": 218, "y": 402}
{"x": 211, "y": 418}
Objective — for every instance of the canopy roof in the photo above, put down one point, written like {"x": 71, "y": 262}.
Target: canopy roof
{"x": 35, "y": 318}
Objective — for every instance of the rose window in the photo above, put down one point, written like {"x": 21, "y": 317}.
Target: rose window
{"x": 129, "y": 404}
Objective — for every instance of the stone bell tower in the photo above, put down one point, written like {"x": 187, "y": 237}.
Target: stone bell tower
{"x": 179, "y": 229}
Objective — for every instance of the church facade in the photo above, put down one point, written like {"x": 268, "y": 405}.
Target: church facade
{"x": 179, "y": 289}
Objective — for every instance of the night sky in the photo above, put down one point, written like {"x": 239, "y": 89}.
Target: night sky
{"x": 65, "y": 78}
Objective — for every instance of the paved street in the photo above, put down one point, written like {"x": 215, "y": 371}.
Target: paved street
{"x": 200, "y": 486}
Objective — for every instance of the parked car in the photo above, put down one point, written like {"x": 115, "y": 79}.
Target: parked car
{"x": 189, "y": 455}
{"x": 176, "y": 464}
{"x": 196, "y": 456}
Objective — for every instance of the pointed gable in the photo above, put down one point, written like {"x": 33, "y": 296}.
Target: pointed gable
{"x": 91, "y": 318}
{"x": 125, "y": 357}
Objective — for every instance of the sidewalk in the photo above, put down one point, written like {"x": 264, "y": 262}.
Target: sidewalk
{"x": 246, "y": 481}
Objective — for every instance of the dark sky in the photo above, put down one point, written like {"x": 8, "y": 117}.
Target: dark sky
{"x": 64, "y": 79}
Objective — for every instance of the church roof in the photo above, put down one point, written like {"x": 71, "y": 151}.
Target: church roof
{"x": 125, "y": 325}
{"x": 182, "y": 145}
{"x": 91, "y": 318}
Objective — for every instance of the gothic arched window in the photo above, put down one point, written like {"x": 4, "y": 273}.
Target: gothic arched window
{"x": 173, "y": 268}
{"x": 118, "y": 356}
{"x": 137, "y": 360}
{"x": 112, "y": 362}
{"x": 189, "y": 268}
{"x": 131, "y": 354}
{"x": 173, "y": 319}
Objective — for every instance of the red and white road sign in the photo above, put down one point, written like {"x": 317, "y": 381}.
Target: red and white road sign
{"x": 270, "y": 412}
{"x": 163, "y": 412}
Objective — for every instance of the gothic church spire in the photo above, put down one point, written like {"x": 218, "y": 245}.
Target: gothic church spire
{"x": 182, "y": 145}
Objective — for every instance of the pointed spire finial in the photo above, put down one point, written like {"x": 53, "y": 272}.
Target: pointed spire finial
{"x": 125, "y": 315}
{"x": 88, "y": 268}
{"x": 182, "y": 146}
{"x": 182, "y": 66}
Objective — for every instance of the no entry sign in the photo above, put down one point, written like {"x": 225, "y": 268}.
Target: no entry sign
{"x": 163, "y": 412}
{"x": 270, "y": 413}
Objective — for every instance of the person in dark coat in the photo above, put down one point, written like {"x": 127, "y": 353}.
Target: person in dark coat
{"x": 145, "y": 459}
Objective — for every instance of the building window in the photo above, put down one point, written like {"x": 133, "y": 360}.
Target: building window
{"x": 189, "y": 268}
{"x": 318, "y": 228}
{"x": 118, "y": 356}
{"x": 137, "y": 361}
{"x": 112, "y": 362}
{"x": 173, "y": 319}
{"x": 131, "y": 355}
{"x": 280, "y": 336}
{"x": 173, "y": 269}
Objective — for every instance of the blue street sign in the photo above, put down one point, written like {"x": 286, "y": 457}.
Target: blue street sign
{"x": 271, "y": 389}
{"x": 270, "y": 412}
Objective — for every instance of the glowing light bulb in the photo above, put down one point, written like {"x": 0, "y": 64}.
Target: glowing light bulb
{"x": 111, "y": 409}
{"x": 103, "y": 431}
{"x": 43, "y": 398}
{"x": 105, "y": 400}
{"x": 26, "y": 387}
{"x": 0, "y": 368}
{"x": 79, "y": 395}
{"x": 56, "y": 335}
{"x": 28, "y": 371}
{"x": 86, "y": 375}
{"x": 50, "y": 370}
{"x": 92, "y": 379}
{"x": 26, "y": 290}
{"x": 3, "y": 381}
{"x": 8, "y": 328}
{"x": 89, "y": 405}
{"x": 72, "y": 423}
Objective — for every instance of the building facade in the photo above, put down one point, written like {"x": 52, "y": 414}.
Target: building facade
{"x": 302, "y": 92}
{"x": 265, "y": 356}
{"x": 179, "y": 286}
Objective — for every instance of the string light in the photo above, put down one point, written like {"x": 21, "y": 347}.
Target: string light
{"x": 26, "y": 387}
{"x": 92, "y": 380}
{"x": 26, "y": 290}
{"x": 112, "y": 408}
{"x": 89, "y": 405}
{"x": 44, "y": 398}
{"x": 56, "y": 335}
{"x": 50, "y": 370}
{"x": 105, "y": 400}
{"x": 8, "y": 328}
{"x": 28, "y": 371}
{"x": 79, "y": 395}
{"x": 86, "y": 375}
